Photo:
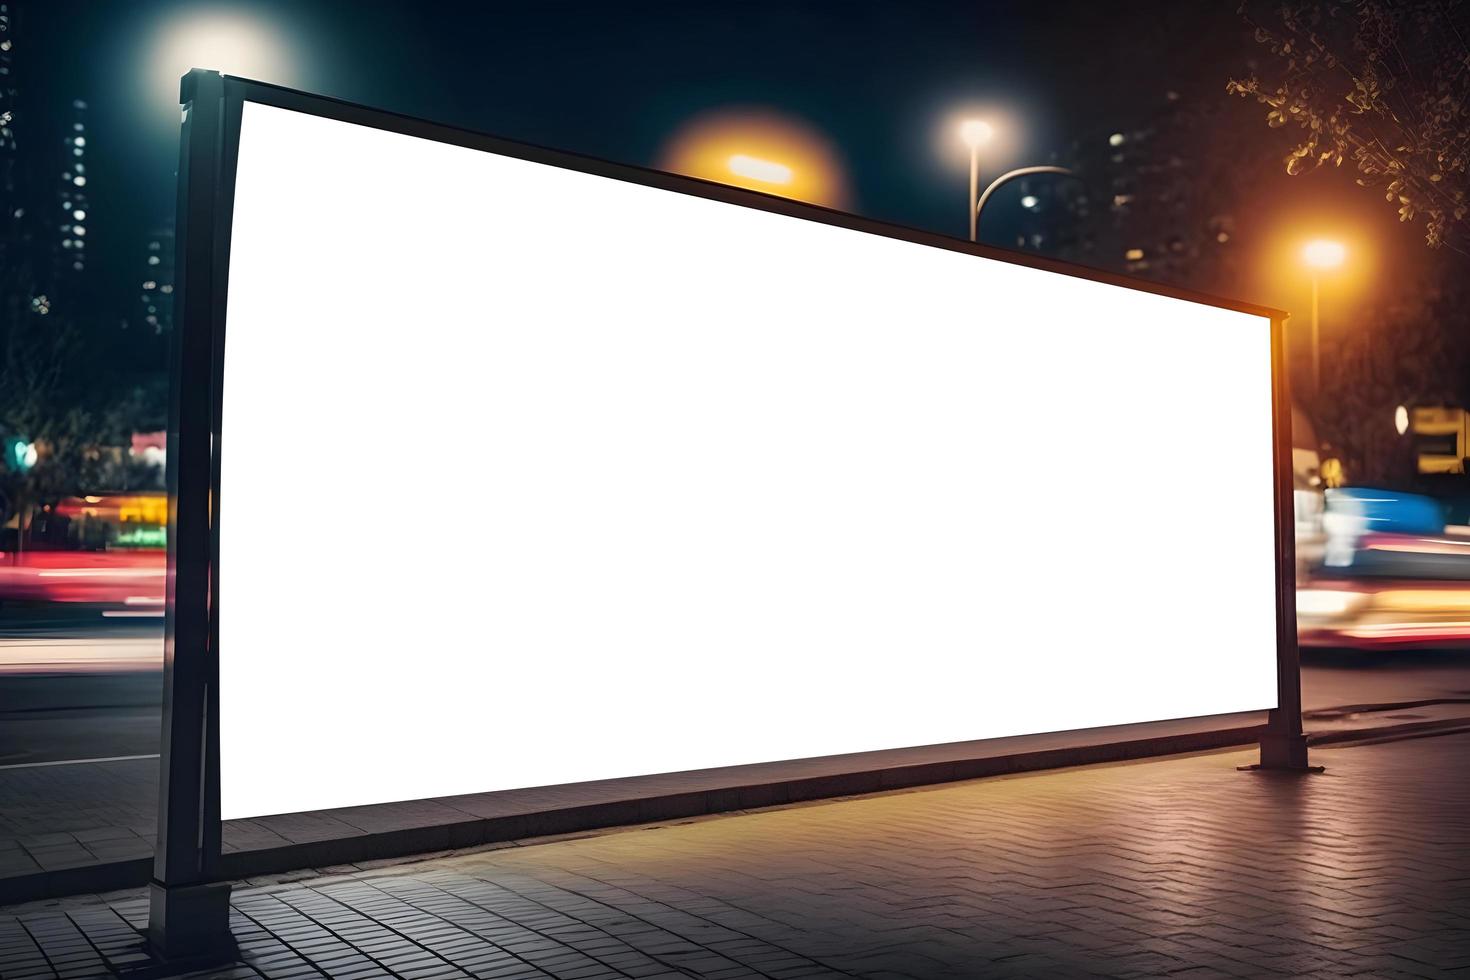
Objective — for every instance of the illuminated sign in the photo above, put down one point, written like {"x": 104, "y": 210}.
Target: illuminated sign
{"x": 748, "y": 487}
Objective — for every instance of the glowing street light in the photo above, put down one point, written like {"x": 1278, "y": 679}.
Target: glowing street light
{"x": 1321, "y": 255}
{"x": 227, "y": 37}
{"x": 975, "y": 133}
{"x": 760, "y": 150}
{"x": 754, "y": 168}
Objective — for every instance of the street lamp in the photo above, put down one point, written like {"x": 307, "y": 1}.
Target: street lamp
{"x": 1321, "y": 255}
{"x": 975, "y": 132}
{"x": 232, "y": 41}
{"x": 1006, "y": 177}
{"x": 759, "y": 150}
{"x": 754, "y": 168}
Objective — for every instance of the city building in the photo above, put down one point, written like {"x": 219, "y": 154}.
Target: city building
{"x": 43, "y": 187}
{"x": 69, "y": 257}
{"x": 155, "y": 298}
{"x": 18, "y": 295}
{"x": 1148, "y": 202}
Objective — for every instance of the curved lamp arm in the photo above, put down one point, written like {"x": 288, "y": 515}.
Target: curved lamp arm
{"x": 1012, "y": 175}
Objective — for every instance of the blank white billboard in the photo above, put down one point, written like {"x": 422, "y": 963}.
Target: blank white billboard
{"x": 530, "y": 476}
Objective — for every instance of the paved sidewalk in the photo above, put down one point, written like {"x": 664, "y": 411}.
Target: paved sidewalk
{"x": 1175, "y": 867}
{"x": 72, "y": 826}
{"x": 69, "y": 829}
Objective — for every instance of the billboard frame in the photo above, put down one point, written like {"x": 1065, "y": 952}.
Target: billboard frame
{"x": 189, "y": 903}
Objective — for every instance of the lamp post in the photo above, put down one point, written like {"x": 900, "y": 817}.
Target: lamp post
{"x": 975, "y": 132}
{"x": 1321, "y": 255}
{"x": 1006, "y": 177}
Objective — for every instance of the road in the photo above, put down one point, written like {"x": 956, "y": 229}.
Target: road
{"x": 76, "y": 686}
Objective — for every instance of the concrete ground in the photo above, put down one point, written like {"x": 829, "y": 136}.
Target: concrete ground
{"x": 79, "y": 769}
{"x": 1181, "y": 866}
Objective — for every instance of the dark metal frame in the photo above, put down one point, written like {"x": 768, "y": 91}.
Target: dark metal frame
{"x": 189, "y": 912}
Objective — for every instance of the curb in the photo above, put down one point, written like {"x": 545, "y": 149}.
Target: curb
{"x": 405, "y": 842}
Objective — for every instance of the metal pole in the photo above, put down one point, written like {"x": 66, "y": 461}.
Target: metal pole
{"x": 1316, "y": 343}
{"x": 1005, "y": 178}
{"x": 974, "y": 188}
{"x": 189, "y": 910}
{"x": 1283, "y": 744}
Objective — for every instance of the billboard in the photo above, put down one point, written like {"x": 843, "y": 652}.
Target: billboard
{"x": 534, "y": 471}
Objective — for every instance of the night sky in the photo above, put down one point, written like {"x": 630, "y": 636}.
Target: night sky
{"x": 615, "y": 80}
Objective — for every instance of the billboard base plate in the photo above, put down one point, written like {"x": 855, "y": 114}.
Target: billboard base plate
{"x": 190, "y": 924}
{"x": 1283, "y": 753}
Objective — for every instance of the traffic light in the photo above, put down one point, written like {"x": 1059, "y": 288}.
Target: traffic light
{"x": 18, "y": 454}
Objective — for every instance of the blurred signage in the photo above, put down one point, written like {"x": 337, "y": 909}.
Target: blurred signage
{"x": 1440, "y": 439}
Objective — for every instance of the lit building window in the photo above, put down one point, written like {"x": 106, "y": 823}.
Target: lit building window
{"x": 150, "y": 284}
{"x": 79, "y": 216}
{"x": 1133, "y": 254}
{"x": 1116, "y": 139}
{"x": 79, "y": 180}
{"x": 152, "y": 260}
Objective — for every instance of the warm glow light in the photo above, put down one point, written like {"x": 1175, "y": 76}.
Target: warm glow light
{"x": 993, "y": 130}
{"x": 975, "y": 132}
{"x": 219, "y": 38}
{"x": 1401, "y": 419}
{"x": 1324, "y": 253}
{"x": 762, "y": 170}
{"x": 759, "y": 150}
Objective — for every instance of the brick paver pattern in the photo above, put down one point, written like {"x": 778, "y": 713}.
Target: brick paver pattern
{"x": 1173, "y": 867}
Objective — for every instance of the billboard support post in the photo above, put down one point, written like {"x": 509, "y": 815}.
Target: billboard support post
{"x": 189, "y": 911}
{"x": 1283, "y": 744}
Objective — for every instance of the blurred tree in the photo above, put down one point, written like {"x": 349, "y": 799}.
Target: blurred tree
{"x": 1384, "y": 83}
{"x": 78, "y": 412}
{"x": 1412, "y": 350}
